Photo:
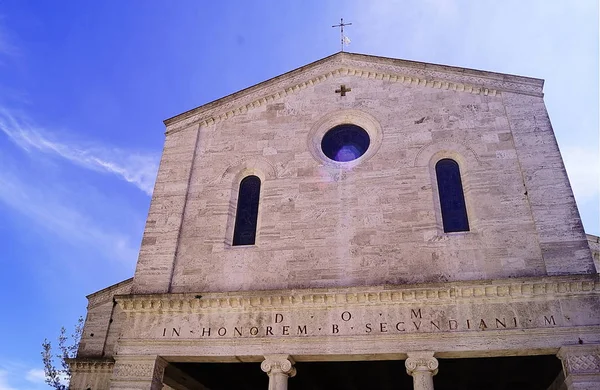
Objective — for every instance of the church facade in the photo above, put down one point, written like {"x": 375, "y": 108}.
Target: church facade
{"x": 359, "y": 214}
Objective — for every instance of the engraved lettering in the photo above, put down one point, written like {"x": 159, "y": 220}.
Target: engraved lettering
{"x": 549, "y": 321}
{"x": 391, "y": 325}
{"x": 346, "y": 316}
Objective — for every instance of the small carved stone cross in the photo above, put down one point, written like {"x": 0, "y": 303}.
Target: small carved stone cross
{"x": 342, "y": 91}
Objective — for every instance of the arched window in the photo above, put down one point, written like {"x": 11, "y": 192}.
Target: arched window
{"x": 452, "y": 199}
{"x": 246, "y": 213}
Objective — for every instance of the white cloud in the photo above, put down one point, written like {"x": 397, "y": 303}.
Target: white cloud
{"x": 136, "y": 168}
{"x": 36, "y": 375}
{"x": 49, "y": 207}
{"x": 4, "y": 381}
{"x": 583, "y": 168}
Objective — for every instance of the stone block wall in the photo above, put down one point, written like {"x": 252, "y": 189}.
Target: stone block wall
{"x": 103, "y": 322}
{"x": 379, "y": 221}
{"x": 594, "y": 243}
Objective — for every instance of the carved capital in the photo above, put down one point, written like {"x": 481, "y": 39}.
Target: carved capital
{"x": 104, "y": 365}
{"x": 140, "y": 369}
{"x": 278, "y": 364}
{"x": 580, "y": 359}
{"x": 422, "y": 361}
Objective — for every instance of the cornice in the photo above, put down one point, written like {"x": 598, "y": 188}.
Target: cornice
{"x": 106, "y": 294}
{"x": 454, "y": 293}
{"x": 348, "y": 64}
{"x": 90, "y": 365}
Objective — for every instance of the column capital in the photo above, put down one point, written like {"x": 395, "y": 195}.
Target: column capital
{"x": 420, "y": 361}
{"x": 274, "y": 364}
{"x": 138, "y": 372}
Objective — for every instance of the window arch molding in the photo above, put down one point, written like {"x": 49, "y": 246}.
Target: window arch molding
{"x": 234, "y": 175}
{"x": 464, "y": 165}
{"x": 247, "y": 210}
{"x": 351, "y": 117}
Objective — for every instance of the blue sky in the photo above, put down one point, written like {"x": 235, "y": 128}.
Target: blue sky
{"x": 84, "y": 87}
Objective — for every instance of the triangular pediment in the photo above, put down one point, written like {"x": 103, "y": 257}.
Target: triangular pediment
{"x": 421, "y": 74}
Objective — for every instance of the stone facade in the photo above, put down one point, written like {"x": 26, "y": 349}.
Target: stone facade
{"x": 351, "y": 260}
{"x": 594, "y": 243}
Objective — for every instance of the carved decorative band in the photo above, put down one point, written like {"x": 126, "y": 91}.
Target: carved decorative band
{"x": 135, "y": 370}
{"x": 140, "y": 370}
{"x": 583, "y": 364}
{"x": 423, "y": 81}
{"x": 451, "y": 294}
{"x": 91, "y": 366}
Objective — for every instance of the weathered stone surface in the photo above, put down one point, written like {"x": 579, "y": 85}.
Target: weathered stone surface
{"x": 499, "y": 318}
{"x": 103, "y": 322}
{"x": 581, "y": 365}
{"x": 594, "y": 243}
{"x": 351, "y": 260}
{"x": 90, "y": 373}
{"x": 324, "y": 225}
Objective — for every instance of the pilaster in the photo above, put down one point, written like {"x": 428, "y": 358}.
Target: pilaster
{"x": 581, "y": 366}
{"x": 90, "y": 373}
{"x": 422, "y": 366}
{"x": 279, "y": 368}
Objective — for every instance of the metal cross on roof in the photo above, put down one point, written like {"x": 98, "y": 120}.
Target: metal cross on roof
{"x": 343, "y": 39}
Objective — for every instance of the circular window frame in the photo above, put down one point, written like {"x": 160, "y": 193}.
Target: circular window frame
{"x": 346, "y": 142}
{"x": 350, "y": 117}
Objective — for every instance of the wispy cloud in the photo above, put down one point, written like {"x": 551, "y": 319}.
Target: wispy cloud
{"x": 6, "y": 48}
{"x": 36, "y": 375}
{"x": 136, "y": 168}
{"x": 4, "y": 381}
{"x": 54, "y": 208}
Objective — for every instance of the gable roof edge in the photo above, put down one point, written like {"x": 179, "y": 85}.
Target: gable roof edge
{"x": 426, "y": 74}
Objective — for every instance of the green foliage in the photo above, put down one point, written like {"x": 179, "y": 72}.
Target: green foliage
{"x": 56, "y": 369}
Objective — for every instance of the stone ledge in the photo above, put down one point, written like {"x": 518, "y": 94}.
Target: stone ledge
{"x": 91, "y": 365}
{"x": 492, "y": 343}
{"x": 505, "y": 290}
{"x": 105, "y": 295}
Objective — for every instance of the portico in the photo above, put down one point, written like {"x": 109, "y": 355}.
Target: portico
{"x": 416, "y": 324}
